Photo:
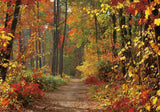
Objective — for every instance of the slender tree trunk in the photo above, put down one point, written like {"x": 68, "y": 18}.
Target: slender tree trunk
{"x": 64, "y": 36}
{"x": 7, "y": 54}
{"x": 55, "y": 38}
{"x": 123, "y": 33}
{"x": 43, "y": 51}
{"x": 54, "y": 35}
{"x": 157, "y": 35}
{"x": 130, "y": 58}
{"x": 36, "y": 53}
{"x": 32, "y": 57}
{"x": 114, "y": 35}
{"x": 40, "y": 52}
{"x": 56, "y": 61}
{"x": 54, "y": 44}
{"x": 96, "y": 28}
{"x": 39, "y": 36}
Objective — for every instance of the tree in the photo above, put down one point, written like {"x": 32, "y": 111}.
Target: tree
{"x": 63, "y": 41}
{"x": 6, "y": 54}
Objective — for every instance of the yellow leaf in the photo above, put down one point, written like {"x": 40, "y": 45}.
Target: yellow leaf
{"x": 130, "y": 74}
{"x": 120, "y": 53}
{"x": 119, "y": 6}
{"x": 13, "y": 65}
{"x": 154, "y": 100}
{"x": 106, "y": 86}
{"x": 158, "y": 53}
{"x": 152, "y": 66}
{"x": 102, "y": 5}
{"x": 107, "y": 6}
{"x": 148, "y": 11}
{"x": 130, "y": 71}
{"x": 146, "y": 48}
{"x": 147, "y": 106}
{"x": 6, "y": 37}
{"x": 158, "y": 92}
{"x": 5, "y": 44}
{"x": 157, "y": 22}
{"x": 135, "y": 1}
{"x": 136, "y": 12}
{"x": 123, "y": 86}
{"x": 5, "y": 65}
{"x": 158, "y": 108}
{"x": 115, "y": 66}
{"x": 138, "y": 54}
{"x": 91, "y": 15}
{"x": 151, "y": 41}
{"x": 11, "y": 35}
{"x": 123, "y": 58}
{"x": 123, "y": 49}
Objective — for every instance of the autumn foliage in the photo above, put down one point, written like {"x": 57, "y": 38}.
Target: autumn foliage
{"x": 124, "y": 50}
{"x": 114, "y": 44}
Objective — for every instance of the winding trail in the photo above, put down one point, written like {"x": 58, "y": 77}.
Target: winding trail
{"x": 68, "y": 98}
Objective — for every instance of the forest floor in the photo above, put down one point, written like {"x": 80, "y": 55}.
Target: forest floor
{"x": 69, "y": 98}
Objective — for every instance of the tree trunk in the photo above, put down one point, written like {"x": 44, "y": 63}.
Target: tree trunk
{"x": 55, "y": 38}
{"x": 39, "y": 36}
{"x": 43, "y": 51}
{"x": 157, "y": 35}
{"x": 123, "y": 33}
{"x": 96, "y": 28}
{"x": 6, "y": 54}
{"x": 32, "y": 57}
{"x": 54, "y": 35}
{"x": 114, "y": 35}
{"x": 36, "y": 54}
{"x": 63, "y": 41}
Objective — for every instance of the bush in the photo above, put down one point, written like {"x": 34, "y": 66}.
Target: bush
{"x": 18, "y": 94}
{"x": 26, "y": 88}
{"x": 25, "y": 92}
{"x": 49, "y": 83}
{"x": 94, "y": 81}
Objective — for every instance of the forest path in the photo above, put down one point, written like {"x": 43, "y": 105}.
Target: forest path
{"x": 69, "y": 98}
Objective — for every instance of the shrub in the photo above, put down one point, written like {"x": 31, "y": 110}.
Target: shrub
{"x": 22, "y": 89}
{"x": 94, "y": 81}
{"x": 49, "y": 83}
{"x": 25, "y": 91}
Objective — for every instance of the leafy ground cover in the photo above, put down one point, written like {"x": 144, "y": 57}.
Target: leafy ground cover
{"x": 27, "y": 88}
{"x": 117, "y": 97}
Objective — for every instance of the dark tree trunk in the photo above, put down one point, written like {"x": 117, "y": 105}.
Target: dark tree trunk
{"x": 55, "y": 38}
{"x": 157, "y": 34}
{"x": 43, "y": 51}
{"x": 123, "y": 33}
{"x": 32, "y": 57}
{"x": 7, "y": 54}
{"x": 36, "y": 54}
{"x": 129, "y": 54}
{"x": 40, "y": 52}
{"x": 97, "y": 36}
{"x": 114, "y": 35}
{"x": 39, "y": 36}
{"x": 62, "y": 47}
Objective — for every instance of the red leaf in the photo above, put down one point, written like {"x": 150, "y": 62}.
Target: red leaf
{"x": 131, "y": 109}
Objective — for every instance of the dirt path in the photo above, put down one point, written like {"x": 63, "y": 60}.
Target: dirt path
{"x": 69, "y": 98}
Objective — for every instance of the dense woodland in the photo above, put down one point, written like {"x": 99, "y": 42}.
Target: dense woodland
{"x": 113, "y": 45}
